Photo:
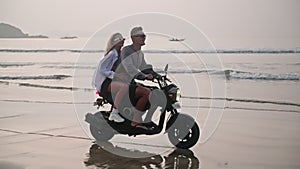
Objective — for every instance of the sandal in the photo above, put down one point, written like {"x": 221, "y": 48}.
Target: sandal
{"x": 140, "y": 126}
{"x": 150, "y": 124}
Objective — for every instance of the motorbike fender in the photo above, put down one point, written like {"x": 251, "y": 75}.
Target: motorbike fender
{"x": 177, "y": 119}
{"x": 94, "y": 120}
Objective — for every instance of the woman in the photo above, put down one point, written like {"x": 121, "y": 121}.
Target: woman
{"x": 104, "y": 74}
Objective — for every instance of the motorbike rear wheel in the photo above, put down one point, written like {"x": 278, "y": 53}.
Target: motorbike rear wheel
{"x": 101, "y": 135}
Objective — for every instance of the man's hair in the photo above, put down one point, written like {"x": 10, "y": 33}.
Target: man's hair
{"x": 136, "y": 31}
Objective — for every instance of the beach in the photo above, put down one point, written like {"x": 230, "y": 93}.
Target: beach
{"x": 46, "y": 93}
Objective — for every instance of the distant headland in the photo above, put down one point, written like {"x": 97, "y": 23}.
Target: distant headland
{"x": 9, "y": 31}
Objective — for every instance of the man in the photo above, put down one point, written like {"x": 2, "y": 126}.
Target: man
{"x": 133, "y": 58}
{"x": 135, "y": 66}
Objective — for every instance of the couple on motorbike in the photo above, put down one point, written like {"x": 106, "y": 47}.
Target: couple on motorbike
{"x": 116, "y": 70}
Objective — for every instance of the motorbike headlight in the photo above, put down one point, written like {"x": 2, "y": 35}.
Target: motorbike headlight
{"x": 173, "y": 93}
{"x": 178, "y": 95}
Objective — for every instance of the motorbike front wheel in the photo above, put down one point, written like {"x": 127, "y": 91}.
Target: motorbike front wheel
{"x": 184, "y": 135}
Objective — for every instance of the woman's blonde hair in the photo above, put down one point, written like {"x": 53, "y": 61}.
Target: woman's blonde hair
{"x": 113, "y": 40}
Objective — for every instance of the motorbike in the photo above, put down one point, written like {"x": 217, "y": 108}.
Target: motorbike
{"x": 182, "y": 130}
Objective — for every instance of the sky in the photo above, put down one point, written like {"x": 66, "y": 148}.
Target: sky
{"x": 226, "y": 19}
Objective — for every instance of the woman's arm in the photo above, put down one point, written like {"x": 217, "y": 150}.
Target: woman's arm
{"x": 107, "y": 63}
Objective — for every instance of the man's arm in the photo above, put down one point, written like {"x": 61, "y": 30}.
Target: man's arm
{"x": 147, "y": 69}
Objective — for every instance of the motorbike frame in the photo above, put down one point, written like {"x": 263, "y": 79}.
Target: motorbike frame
{"x": 125, "y": 128}
{"x": 102, "y": 129}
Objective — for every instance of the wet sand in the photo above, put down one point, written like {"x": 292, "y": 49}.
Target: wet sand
{"x": 42, "y": 133}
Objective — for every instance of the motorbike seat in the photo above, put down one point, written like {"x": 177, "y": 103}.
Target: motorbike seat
{"x": 106, "y": 96}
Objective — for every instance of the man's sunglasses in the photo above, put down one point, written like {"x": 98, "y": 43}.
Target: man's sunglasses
{"x": 141, "y": 36}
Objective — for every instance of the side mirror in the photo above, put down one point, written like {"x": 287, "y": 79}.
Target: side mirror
{"x": 166, "y": 68}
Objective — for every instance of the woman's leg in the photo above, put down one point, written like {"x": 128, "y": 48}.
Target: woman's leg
{"x": 119, "y": 89}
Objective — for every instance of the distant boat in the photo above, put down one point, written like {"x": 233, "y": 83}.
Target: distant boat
{"x": 69, "y": 37}
{"x": 176, "y": 39}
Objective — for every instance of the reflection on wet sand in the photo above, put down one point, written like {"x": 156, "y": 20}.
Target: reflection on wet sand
{"x": 98, "y": 157}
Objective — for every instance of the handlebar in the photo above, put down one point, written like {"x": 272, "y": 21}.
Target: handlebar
{"x": 158, "y": 77}
{"x": 162, "y": 78}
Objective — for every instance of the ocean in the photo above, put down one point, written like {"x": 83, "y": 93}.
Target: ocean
{"x": 51, "y": 78}
{"x": 266, "y": 75}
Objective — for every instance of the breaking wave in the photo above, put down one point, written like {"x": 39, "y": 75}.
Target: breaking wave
{"x": 49, "y": 50}
{"x": 39, "y": 77}
{"x": 69, "y": 67}
{"x": 261, "y": 76}
{"x": 6, "y": 65}
{"x": 235, "y": 74}
{"x": 45, "y": 86}
{"x": 229, "y": 74}
{"x": 245, "y": 100}
{"x": 183, "y": 71}
{"x": 224, "y": 51}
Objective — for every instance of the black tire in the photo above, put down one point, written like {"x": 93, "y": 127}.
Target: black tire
{"x": 101, "y": 135}
{"x": 188, "y": 139}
